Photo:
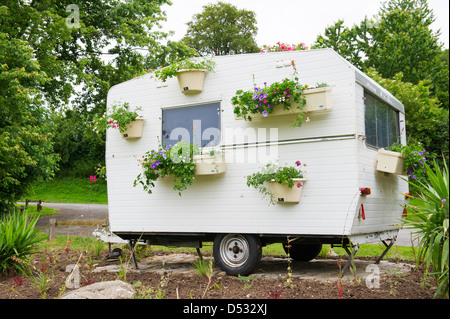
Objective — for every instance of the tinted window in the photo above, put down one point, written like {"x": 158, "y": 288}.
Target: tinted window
{"x": 196, "y": 124}
{"x": 382, "y": 123}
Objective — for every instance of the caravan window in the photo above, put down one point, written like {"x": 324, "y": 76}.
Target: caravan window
{"x": 382, "y": 122}
{"x": 194, "y": 124}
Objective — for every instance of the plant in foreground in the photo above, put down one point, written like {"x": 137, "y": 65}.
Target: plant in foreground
{"x": 18, "y": 239}
{"x": 430, "y": 209}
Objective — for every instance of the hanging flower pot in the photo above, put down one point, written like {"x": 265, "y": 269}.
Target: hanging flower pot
{"x": 134, "y": 129}
{"x": 209, "y": 164}
{"x": 283, "y": 194}
{"x": 318, "y": 99}
{"x": 279, "y": 184}
{"x": 191, "y": 81}
{"x": 390, "y": 162}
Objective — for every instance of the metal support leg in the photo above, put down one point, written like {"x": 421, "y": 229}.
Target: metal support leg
{"x": 351, "y": 255}
{"x": 132, "y": 244}
{"x": 199, "y": 254}
{"x": 386, "y": 250}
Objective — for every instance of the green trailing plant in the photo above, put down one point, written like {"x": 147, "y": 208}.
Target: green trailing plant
{"x": 121, "y": 116}
{"x": 415, "y": 160}
{"x": 272, "y": 172}
{"x": 18, "y": 239}
{"x": 189, "y": 64}
{"x": 263, "y": 100}
{"x": 429, "y": 212}
{"x": 168, "y": 162}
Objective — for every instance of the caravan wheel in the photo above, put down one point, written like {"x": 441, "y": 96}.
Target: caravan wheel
{"x": 303, "y": 252}
{"x": 237, "y": 254}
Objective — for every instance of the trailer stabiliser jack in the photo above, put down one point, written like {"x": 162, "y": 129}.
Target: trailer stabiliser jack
{"x": 351, "y": 256}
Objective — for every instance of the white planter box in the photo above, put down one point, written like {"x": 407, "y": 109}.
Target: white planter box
{"x": 317, "y": 99}
{"x": 283, "y": 194}
{"x": 134, "y": 129}
{"x": 390, "y": 162}
{"x": 191, "y": 81}
{"x": 209, "y": 165}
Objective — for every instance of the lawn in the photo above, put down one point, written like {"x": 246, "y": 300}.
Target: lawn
{"x": 70, "y": 190}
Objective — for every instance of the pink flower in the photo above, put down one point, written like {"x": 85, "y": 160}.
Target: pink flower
{"x": 299, "y": 185}
{"x": 93, "y": 178}
{"x": 265, "y": 101}
{"x": 288, "y": 96}
{"x": 298, "y": 163}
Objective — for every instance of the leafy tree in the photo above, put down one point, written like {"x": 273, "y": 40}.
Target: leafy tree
{"x": 85, "y": 48}
{"x": 425, "y": 120}
{"x": 26, "y": 150}
{"x": 399, "y": 40}
{"x": 222, "y": 29}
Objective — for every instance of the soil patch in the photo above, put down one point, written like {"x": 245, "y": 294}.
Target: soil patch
{"x": 49, "y": 277}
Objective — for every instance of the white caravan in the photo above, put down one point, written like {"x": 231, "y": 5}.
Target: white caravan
{"x": 347, "y": 198}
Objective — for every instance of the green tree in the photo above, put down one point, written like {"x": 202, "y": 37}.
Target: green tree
{"x": 399, "y": 40}
{"x": 26, "y": 150}
{"x": 222, "y": 29}
{"x": 85, "y": 48}
{"x": 426, "y": 121}
{"x": 409, "y": 61}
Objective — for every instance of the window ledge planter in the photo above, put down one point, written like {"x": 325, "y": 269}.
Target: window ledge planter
{"x": 390, "y": 162}
{"x": 134, "y": 129}
{"x": 283, "y": 194}
{"x": 209, "y": 164}
{"x": 191, "y": 81}
{"x": 317, "y": 99}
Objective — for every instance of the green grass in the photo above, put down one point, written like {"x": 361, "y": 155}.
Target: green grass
{"x": 70, "y": 190}
{"x": 32, "y": 210}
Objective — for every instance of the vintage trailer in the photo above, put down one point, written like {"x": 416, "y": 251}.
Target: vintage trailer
{"x": 351, "y": 195}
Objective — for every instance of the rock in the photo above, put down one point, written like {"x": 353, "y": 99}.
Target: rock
{"x": 102, "y": 290}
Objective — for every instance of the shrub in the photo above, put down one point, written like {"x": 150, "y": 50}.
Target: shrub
{"x": 430, "y": 211}
{"x": 18, "y": 239}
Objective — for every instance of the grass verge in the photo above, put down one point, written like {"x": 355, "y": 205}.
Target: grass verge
{"x": 70, "y": 190}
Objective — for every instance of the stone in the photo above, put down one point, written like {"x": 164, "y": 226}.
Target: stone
{"x": 115, "y": 289}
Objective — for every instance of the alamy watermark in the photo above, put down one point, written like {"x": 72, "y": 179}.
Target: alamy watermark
{"x": 373, "y": 280}
{"x": 73, "y": 20}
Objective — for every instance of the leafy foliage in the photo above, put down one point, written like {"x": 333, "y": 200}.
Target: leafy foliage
{"x": 222, "y": 29}
{"x": 399, "y": 40}
{"x": 425, "y": 120}
{"x": 26, "y": 150}
{"x": 430, "y": 209}
{"x": 190, "y": 64}
{"x": 120, "y": 117}
{"x": 18, "y": 239}
{"x": 415, "y": 159}
{"x": 271, "y": 172}
{"x": 264, "y": 100}
{"x": 168, "y": 162}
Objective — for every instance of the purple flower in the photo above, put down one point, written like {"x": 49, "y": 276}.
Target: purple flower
{"x": 265, "y": 113}
{"x": 153, "y": 165}
{"x": 255, "y": 96}
{"x": 158, "y": 162}
{"x": 443, "y": 201}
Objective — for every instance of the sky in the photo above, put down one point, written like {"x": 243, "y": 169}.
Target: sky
{"x": 295, "y": 21}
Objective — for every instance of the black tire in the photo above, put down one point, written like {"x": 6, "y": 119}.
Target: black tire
{"x": 303, "y": 252}
{"x": 237, "y": 254}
